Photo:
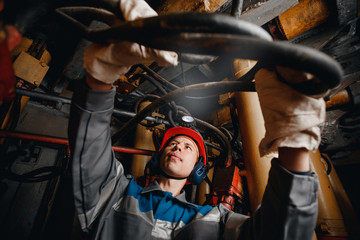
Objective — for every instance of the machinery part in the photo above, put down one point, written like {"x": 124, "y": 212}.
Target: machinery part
{"x": 344, "y": 46}
{"x": 179, "y": 112}
{"x": 30, "y": 69}
{"x": 143, "y": 99}
{"x": 227, "y": 185}
{"x": 224, "y": 140}
{"x": 42, "y": 96}
{"x": 143, "y": 139}
{"x": 211, "y": 88}
{"x": 252, "y": 129}
{"x": 303, "y": 17}
{"x": 330, "y": 220}
{"x": 338, "y": 100}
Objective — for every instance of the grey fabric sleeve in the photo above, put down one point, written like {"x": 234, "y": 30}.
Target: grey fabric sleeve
{"x": 288, "y": 210}
{"x": 94, "y": 167}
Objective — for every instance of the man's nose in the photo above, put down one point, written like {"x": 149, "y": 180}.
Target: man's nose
{"x": 177, "y": 147}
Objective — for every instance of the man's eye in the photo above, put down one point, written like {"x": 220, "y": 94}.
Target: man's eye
{"x": 188, "y": 147}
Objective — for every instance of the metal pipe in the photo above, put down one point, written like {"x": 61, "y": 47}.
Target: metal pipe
{"x": 62, "y": 100}
{"x": 65, "y": 142}
{"x": 252, "y": 130}
{"x": 236, "y": 8}
{"x": 210, "y": 88}
{"x": 142, "y": 139}
{"x": 338, "y": 100}
{"x": 43, "y": 96}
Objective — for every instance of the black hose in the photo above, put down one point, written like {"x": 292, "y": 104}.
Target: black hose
{"x": 137, "y": 104}
{"x": 157, "y": 84}
{"x": 158, "y": 26}
{"x": 157, "y": 77}
{"x": 225, "y": 141}
{"x": 150, "y": 97}
{"x": 153, "y": 81}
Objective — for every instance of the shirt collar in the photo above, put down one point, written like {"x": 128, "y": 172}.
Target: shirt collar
{"x": 154, "y": 186}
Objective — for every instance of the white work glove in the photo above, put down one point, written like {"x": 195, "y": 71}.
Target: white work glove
{"x": 291, "y": 118}
{"x": 107, "y": 63}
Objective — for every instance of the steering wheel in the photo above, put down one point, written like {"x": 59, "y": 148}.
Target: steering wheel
{"x": 210, "y": 34}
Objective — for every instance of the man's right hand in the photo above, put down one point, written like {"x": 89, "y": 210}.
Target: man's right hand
{"x": 291, "y": 118}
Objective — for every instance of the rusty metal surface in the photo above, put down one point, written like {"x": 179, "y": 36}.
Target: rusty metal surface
{"x": 339, "y": 99}
{"x": 303, "y": 17}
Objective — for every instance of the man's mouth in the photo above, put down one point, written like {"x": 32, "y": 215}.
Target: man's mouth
{"x": 175, "y": 157}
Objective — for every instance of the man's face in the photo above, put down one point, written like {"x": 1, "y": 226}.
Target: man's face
{"x": 179, "y": 157}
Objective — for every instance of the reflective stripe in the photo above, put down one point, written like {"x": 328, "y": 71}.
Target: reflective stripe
{"x": 107, "y": 191}
{"x": 130, "y": 205}
{"x": 94, "y": 212}
{"x": 165, "y": 230}
{"x": 212, "y": 216}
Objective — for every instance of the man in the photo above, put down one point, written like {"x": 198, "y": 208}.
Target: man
{"x": 111, "y": 205}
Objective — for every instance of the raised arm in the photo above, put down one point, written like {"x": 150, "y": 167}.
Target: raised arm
{"x": 94, "y": 167}
{"x": 289, "y": 205}
{"x": 96, "y": 172}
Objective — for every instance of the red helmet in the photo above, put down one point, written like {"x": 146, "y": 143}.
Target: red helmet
{"x": 177, "y": 131}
